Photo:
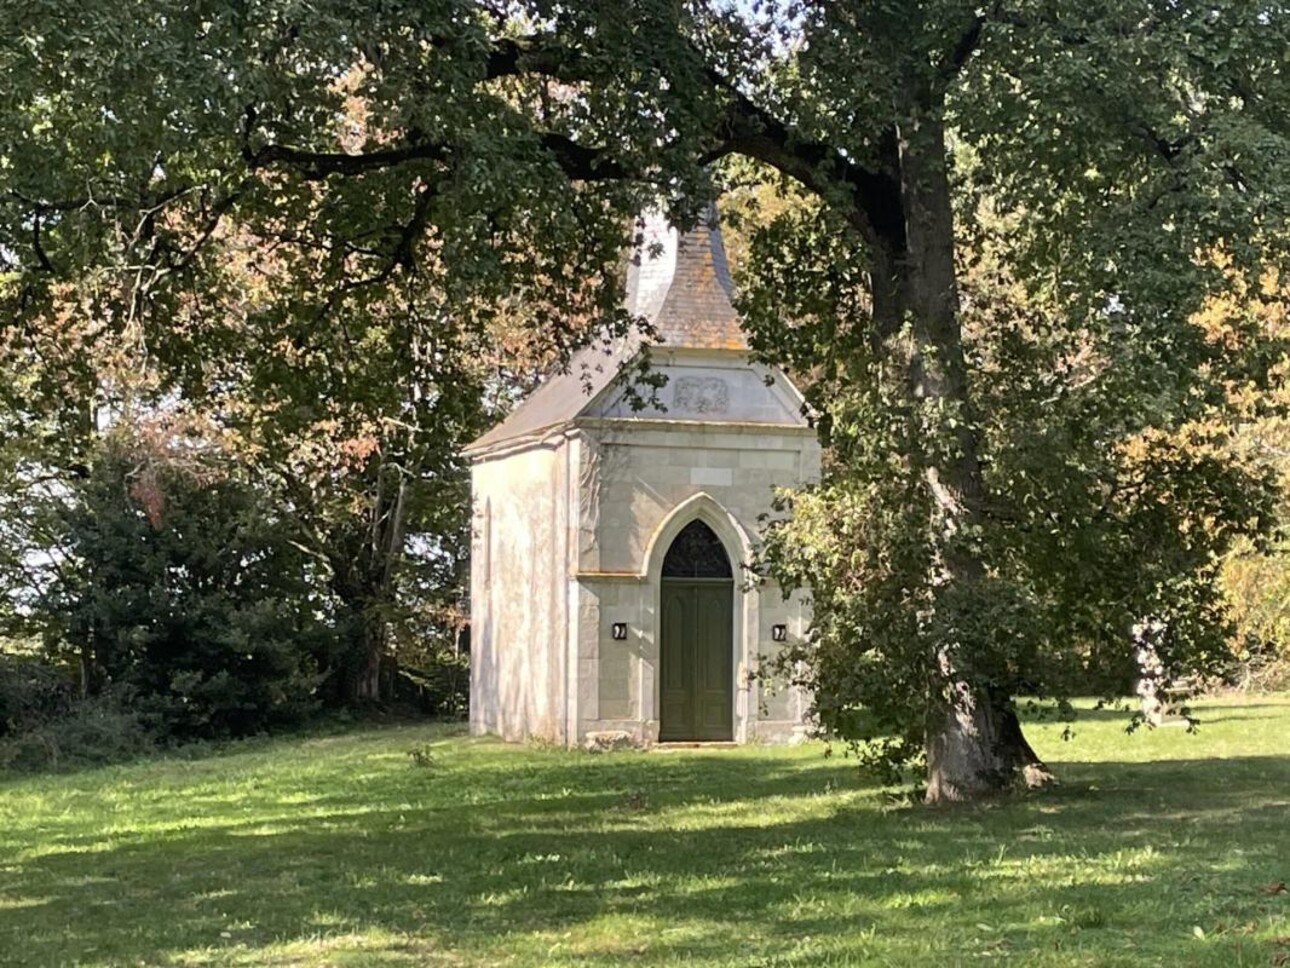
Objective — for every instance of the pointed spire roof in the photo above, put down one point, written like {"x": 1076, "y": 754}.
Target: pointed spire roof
{"x": 680, "y": 282}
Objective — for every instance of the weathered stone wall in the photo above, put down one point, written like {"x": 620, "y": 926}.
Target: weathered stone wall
{"x": 569, "y": 537}
{"x": 520, "y": 562}
{"x": 649, "y": 468}
{"x": 651, "y": 478}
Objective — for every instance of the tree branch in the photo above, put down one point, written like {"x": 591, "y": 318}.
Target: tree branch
{"x": 314, "y": 165}
{"x": 42, "y": 259}
{"x": 581, "y": 163}
{"x": 967, "y": 45}
{"x": 578, "y": 161}
{"x": 750, "y": 130}
{"x": 536, "y": 54}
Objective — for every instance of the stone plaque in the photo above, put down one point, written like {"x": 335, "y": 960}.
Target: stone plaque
{"x": 702, "y": 394}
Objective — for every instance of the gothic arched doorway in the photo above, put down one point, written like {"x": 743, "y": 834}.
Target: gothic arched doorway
{"x": 696, "y": 647}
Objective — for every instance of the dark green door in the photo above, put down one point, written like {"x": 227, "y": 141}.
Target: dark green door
{"x": 696, "y": 658}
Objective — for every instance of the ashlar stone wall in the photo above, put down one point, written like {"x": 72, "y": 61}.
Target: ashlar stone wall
{"x": 654, "y": 478}
{"x": 520, "y": 619}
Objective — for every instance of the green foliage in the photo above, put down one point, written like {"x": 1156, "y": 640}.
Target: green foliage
{"x": 1010, "y": 493}
{"x": 349, "y": 335}
{"x": 1106, "y": 504}
{"x": 1258, "y": 584}
{"x": 86, "y": 733}
{"x": 32, "y": 691}
{"x": 423, "y": 756}
{"x": 438, "y": 681}
{"x": 182, "y": 588}
{"x": 46, "y": 726}
{"x": 1256, "y": 576}
{"x": 336, "y": 227}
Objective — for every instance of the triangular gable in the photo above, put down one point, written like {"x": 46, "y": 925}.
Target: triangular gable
{"x": 707, "y": 386}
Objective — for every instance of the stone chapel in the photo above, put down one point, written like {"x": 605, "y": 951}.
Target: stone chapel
{"x": 607, "y": 588}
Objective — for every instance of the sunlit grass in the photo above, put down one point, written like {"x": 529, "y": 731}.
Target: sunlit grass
{"x": 1159, "y": 848}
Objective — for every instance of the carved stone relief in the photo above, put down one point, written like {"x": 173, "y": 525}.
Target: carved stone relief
{"x": 702, "y": 394}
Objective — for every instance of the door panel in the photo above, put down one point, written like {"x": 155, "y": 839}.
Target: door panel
{"x": 714, "y": 655}
{"x": 696, "y": 653}
{"x": 676, "y": 713}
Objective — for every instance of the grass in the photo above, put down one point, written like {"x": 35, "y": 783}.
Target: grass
{"x": 1157, "y": 849}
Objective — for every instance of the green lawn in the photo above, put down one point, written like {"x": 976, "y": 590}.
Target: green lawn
{"x": 1158, "y": 849}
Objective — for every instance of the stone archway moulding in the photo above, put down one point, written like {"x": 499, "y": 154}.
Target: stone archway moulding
{"x": 735, "y": 540}
{"x": 698, "y": 507}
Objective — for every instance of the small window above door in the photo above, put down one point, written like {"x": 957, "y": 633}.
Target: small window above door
{"x": 696, "y": 553}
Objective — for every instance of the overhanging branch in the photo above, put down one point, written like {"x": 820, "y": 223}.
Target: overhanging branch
{"x": 319, "y": 164}
{"x": 578, "y": 161}
{"x": 752, "y": 131}
{"x": 536, "y": 54}
{"x": 963, "y": 50}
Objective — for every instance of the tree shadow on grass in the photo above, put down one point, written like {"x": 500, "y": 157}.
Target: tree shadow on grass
{"x": 1122, "y": 712}
{"x": 565, "y": 859}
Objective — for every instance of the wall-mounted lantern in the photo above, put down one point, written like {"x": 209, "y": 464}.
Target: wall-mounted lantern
{"x": 619, "y": 631}
{"x": 779, "y": 633}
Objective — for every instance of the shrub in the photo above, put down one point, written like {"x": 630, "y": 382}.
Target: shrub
{"x": 33, "y": 690}
{"x": 92, "y": 732}
{"x": 188, "y": 590}
{"x": 1257, "y": 583}
{"x": 439, "y": 685}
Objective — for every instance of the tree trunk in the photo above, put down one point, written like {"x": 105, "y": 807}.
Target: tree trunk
{"x": 974, "y": 744}
{"x": 91, "y": 676}
{"x": 366, "y": 586}
{"x": 1151, "y": 671}
{"x": 1024, "y": 761}
{"x": 966, "y": 756}
{"x": 366, "y": 685}
{"x": 360, "y": 672}
{"x": 976, "y": 748}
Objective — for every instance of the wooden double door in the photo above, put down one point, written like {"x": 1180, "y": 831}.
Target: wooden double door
{"x": 696, "y": 660}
